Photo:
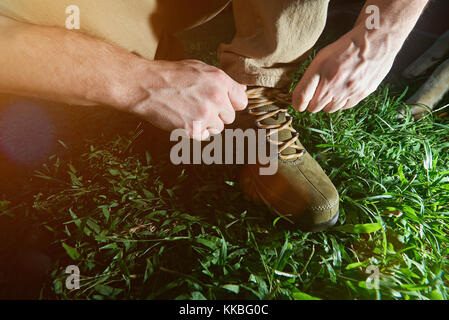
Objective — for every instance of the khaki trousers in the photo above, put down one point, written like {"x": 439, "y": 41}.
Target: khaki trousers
{"x": 272, "y": 35}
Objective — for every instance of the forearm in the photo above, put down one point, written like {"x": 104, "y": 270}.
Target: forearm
{"x": 397, "y": 20}
{"x": 347, "y": 71}
{"x": 65, "y": 66}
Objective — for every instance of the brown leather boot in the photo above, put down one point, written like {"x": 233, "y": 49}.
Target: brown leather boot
{"x": 300, "y": 191}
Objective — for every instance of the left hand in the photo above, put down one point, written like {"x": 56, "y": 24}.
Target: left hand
{"x": 345, "y": 72}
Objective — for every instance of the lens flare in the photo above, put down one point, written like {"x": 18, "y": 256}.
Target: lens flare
{"x": 26, "y": 133}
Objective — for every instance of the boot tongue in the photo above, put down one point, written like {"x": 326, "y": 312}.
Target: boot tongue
{"x": 280, "y": 119}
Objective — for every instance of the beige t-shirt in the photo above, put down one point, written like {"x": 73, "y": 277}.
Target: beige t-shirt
{"x": 135, "y": 25}
{"x": 126, "y": 23}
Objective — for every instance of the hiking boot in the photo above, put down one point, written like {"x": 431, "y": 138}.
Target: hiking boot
{"x": 299, "y": 191}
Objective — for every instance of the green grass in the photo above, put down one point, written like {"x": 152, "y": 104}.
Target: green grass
{"x": 141, "y": 229}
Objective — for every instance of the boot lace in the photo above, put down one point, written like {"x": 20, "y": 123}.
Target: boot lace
{"x": 260, "y": 97}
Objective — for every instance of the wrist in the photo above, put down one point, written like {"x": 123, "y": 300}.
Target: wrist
{"x": 394, "y": 22}
{"x": 380, "y": 41}
{"x": 127, "y": 88}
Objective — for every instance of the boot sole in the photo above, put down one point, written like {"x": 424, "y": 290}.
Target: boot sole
{"x": 250, "y": 189}
{"x": 317, "y": 227}
{"x": 323, "y": 225}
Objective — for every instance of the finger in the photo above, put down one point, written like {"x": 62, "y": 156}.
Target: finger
{"x": 227, "y": 112}
{"x": 304, "y": 92}
{"x": 352, "y": 103}
{"x": 339, "y": 106}
{"x": 200, "y": 136}
{"x": 329, "y": 106}
{"x": 198, "y": 130}
{"x": 319, "y": 105}
{"x": 335, "y": 106}
{"x": 358, "y": 98}
{"x": 215, "y": 126}
{"x": 237, "y": 96}
{"x": 205, "y": 135}
{"x": 320, "y": 100}
{"x": 227, "y": 115}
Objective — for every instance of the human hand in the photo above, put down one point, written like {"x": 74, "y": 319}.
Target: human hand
{"x": 177, "y": 94}
{"x": 346, "y": 72}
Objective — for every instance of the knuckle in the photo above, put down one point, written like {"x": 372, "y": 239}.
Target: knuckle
{"x": 203, "y": 112}
{"x": 193, "y": 61}
{"x": 220, "y": 75}
{"x": 218, "y": 72}
{"x": 216, "y": 95}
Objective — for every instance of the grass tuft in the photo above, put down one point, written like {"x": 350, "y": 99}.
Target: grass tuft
{"x": 143, "y": 229}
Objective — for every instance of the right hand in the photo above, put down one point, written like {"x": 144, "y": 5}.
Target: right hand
{"x": 175, "y": 94}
